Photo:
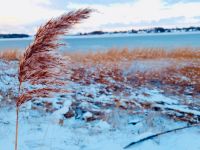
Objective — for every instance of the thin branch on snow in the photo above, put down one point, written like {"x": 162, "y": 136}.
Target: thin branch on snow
{"x": 158, "y": 134}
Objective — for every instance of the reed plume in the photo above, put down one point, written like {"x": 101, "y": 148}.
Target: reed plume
{"x": 41, "y": 64}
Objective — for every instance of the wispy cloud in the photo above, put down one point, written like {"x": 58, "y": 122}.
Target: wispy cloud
{"x": 26, "y": 15}
{"x": 179, "y": 1}
{"x": 15, "y": 15}
{"x": 141, "y": 14}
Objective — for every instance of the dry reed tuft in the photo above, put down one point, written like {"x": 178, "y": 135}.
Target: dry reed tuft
{"x": 40, "y": 64}
{"x": 116, "y": 55}
{"x": 176, "y": 70}
{"x": 40, "y": 60}
{"x": 10, "y": 55}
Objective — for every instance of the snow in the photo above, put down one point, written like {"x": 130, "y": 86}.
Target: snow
{"x": 112, "y": 128}
{"x": 149, "y": 65}
{"x": 181, "y": 109}
{"x": 183, "y": 140}
{"x": 59, "y": 113}
{"x": 40, "y": 132}
{"x": 154, "y": 96}
{"x": 87, "y": 115}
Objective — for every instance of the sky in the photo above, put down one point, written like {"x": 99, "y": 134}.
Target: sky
{"x": 25, "y": 16}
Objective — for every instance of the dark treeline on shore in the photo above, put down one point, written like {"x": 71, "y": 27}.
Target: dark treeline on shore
{"x": 150, "y": 30}
{"x": 132, "y": 31}
{"x": 14, "y": 35}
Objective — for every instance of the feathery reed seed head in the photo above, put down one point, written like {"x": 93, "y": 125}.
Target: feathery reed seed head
{"x": 41, "y": 64}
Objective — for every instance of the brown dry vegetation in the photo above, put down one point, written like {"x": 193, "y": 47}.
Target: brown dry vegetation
{"x": 183, "y": 71}
{"x": 119, "y": 69}
{"x": 40, "y": 64}
{"x": 10, "y": 55}
{"x": 176, "y": 73}
{"x": 116, "y": 55}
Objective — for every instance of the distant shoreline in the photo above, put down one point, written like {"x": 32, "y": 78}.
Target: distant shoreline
{"x": 106, "y": 41}
{"x": 147, "y": 31}
{"x": 11, "y": 36}
{"x": 156, "y": 30}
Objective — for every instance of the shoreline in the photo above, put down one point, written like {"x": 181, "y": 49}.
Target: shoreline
{"x": 102, "y": 43}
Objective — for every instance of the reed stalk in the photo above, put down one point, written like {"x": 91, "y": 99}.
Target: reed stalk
{"x": 41, "y": 64}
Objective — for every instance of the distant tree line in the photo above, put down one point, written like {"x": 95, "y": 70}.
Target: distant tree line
{"x": 133, "y": 31}
{"x": 150, "y": 30}
{"x": 14, "y": 35}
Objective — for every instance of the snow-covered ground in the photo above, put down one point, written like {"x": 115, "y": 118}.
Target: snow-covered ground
{"x": 94, "y": 117}
{"x": 41, "y": 131}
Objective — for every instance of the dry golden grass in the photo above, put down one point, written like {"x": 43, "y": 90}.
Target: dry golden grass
{"x": 10, "y": 55}
{"x": 116, "y": 55}
{"x": 183, "y": 72}
{"x": 185, "y": 62}
{"x": 174, "y": 79}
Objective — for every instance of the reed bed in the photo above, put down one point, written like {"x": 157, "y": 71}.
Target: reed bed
{"x": 174, "y": 71}
{"x": 181, "y": 73}
{"x": 114, "y": 55}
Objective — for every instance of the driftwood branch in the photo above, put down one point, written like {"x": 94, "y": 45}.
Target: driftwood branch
{"x": 158, "y": 134}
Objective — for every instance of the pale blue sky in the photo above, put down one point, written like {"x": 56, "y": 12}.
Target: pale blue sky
{"x": 24, "y": 16}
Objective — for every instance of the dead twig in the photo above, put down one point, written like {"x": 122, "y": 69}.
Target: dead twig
{"x": 158, "y": 134}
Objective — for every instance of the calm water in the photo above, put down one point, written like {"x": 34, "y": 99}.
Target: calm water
{"x": 85, "y": 43}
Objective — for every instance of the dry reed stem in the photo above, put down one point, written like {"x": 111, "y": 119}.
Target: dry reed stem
{"x": 40, "y": 64}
